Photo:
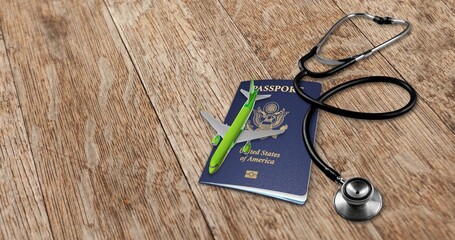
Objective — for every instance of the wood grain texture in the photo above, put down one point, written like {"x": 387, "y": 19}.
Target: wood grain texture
{"x": 107, "y": 170}
{"x": 426, "y": 56}
{"x": 187, "y": 41}
{"x": 190, "y": 54}
{"x": 22, "y": 209}
{"x": 101, "y": 137}
{"x": 410, "y": 159}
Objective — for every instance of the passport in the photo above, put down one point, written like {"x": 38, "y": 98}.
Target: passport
{"x": 277, "y": 166}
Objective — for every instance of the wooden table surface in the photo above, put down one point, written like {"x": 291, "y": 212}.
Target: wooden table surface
{"x": 100, "y": 137}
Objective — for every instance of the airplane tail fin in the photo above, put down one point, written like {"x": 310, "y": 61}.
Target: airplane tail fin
{"x": 253, "y": 92}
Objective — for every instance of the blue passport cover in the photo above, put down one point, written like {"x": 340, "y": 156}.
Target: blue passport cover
{"x": 277, "y": 166}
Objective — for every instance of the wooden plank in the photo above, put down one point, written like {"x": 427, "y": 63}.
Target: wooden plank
{"x": 424, "y": 57}
{"x": 189, "y": 53}
{"x": 106, "y": 167}
{"x": 192, "y": 53}
{"x": 22, "y": 210}
{"x": 414, "y": 152}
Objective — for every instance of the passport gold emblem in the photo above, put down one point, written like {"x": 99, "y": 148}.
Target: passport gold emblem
{"x": 271, "y": 117}
{"x": 251, "y": 174}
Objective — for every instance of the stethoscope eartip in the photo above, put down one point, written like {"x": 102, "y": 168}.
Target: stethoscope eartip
{"x": 357, "y": 200}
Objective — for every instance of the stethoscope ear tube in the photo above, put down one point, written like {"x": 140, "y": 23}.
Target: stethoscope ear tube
{"x": 376, "y": 19}
{"x": 304, "y": 71}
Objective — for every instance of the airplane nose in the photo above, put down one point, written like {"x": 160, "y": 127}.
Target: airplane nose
{"x": 212, "y": 169}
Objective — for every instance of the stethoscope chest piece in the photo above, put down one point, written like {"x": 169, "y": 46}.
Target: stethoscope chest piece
{"x": 357, "y": 200}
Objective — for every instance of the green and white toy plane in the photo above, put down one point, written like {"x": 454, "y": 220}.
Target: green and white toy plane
{"x": 227, "y": 136}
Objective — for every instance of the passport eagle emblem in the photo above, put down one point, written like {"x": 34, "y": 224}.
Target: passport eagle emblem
{"x": 268, "y": 118}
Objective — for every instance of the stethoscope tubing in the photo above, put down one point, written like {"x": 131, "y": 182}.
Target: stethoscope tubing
{"x": 359, "y": 115}
{"x": 316, "y": 103}
{"x": 338, "y": 66}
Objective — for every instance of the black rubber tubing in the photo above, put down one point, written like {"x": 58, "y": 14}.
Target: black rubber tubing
{"x": 318, "y": 104}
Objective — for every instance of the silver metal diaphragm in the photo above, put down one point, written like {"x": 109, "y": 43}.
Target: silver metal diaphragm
{"x": 357, "y": 200}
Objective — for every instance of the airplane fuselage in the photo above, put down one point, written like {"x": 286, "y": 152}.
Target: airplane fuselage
{"x": 232, "y": 134}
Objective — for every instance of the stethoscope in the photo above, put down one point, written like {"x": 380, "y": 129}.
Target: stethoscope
{"x": 357, "y": 199}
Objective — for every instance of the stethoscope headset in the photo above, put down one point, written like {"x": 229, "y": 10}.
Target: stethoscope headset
{"x": 357, "y": 199}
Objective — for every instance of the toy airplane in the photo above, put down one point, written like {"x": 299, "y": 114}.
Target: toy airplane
{"x": 235, "y": 133}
